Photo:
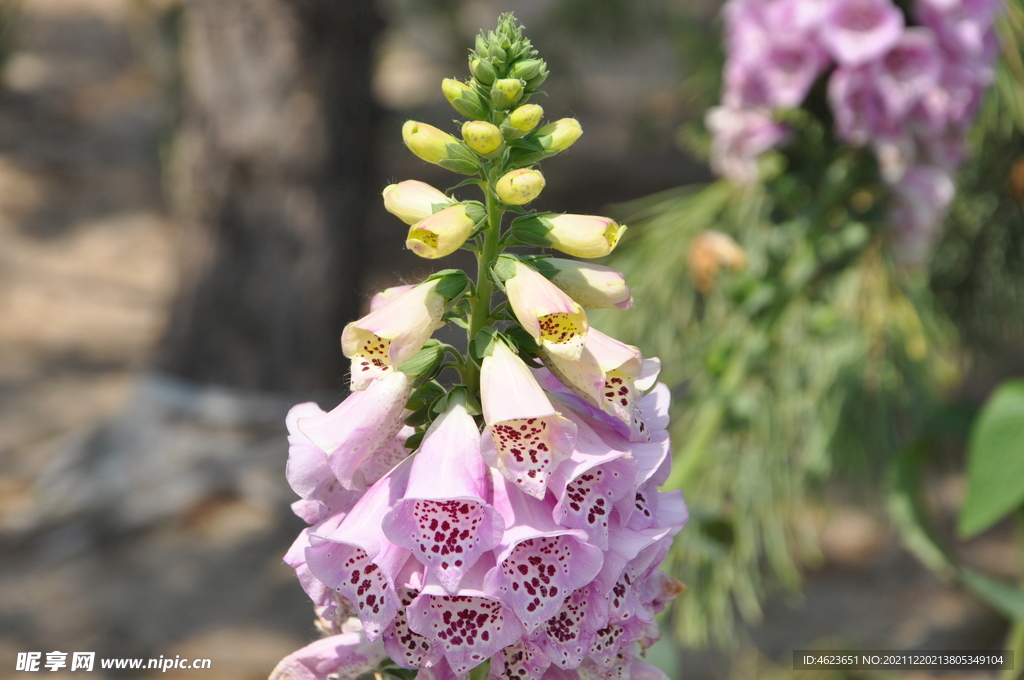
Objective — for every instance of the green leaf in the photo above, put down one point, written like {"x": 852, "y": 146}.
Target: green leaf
{"x": 413, "y": 442}
{"x": 424, "y": 363}
{"x": 1003, "y": 597}
{"x": 504, "y": 267}
{"x": 424, "y": 395}
{"x": 995, "y": 462}
{"x": 483, "y": 343}
{"x": 451, "y": 283}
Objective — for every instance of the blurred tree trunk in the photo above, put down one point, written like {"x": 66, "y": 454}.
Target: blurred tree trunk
{"x": 270, "y": 175}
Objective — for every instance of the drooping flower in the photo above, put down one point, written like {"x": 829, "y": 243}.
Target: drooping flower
{"x": 357, "y": 560}
{"x": 552, "y": 318}
{"x": 907, "y": 71}
{"x": 444, "y": 232}
{"x": 740, "y": 137}
{"x": 586, "y": 236}
{"x": 525, "y": 438}
{"x": 858, "y": 31}
{"x": 539, "y": 563}
{"x": 522, "y": 660}
{"x": 444, "y": 517}
{"x": 469, "y": 625}
{"x": 340, "y": 657}
{"x": 566, "y": 637}
{"x": 412, "y": 200}
{"x": 922, "y": 197}
{"x": 358, "y": 427}
{"x": 594, "y": 286}
{"x": 386, "y": 337}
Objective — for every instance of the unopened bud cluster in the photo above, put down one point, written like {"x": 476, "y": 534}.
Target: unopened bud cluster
{"x": 512, "y": 518}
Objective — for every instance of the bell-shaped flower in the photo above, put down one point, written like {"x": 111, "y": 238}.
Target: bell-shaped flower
{"x": 559, "y": 136}
{"x": 592, "y": 285}
{"x": 444, "y": 517}
{"x": 604, "y": 376}
{"x": 358, "y": 561}
{"x": 339, "y": 657}
{"x": 426, "y": 141}
{"x": 858, "y": 31}
{"x": 567, "y": 636}
{"x": 412, "y": 200}
{"x": 908, "y": 71}
{"x": 444, "y": 232}
{"x": 482, "y": 137}
{"x": 522, "y": 660}
{"x": 358, "y": 427}
{"x": 526, "y": 117}
{"x": 324, "y": 601}
{"x": 588, "y": 484}
{"x": 857, "y": 106}
{"x": 922, "y": 196}
{"x": 519, "y": 187}
{"x": 309, "y": 473}
{"x": 740, "y": 136}
{"x": 469, "y": 625}
{"x": 525, "y": 438}
{"x": 585, "y": 236}
{"x": 552, "y": 318}
{"x": 539, "y": 563}
{"x": 383, "y": 339}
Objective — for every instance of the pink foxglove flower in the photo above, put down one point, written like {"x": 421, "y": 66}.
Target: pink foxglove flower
{"x": 594, "y": 286}
{"x": 552, "y": 318}
{"x": 922, "y": 197}
{"x": 539, "y": 563}
{"x": 907, "y": 71}
{"x": 358, "y": 561}
{"x": 740, "y": 137}
{"x": 858, "y": 31}
{"x": 470, "y": 625}
{"x": 339, "y": 657}
{"x": 383, "y": 339}
{"x": 522, "y": 660}
{"x": 357, "y": 428}
{"x": 444, "y": 518}
{"x": 525, "y": 438}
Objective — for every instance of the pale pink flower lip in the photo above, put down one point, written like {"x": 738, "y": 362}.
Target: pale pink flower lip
{"x": 392, "y": 333}
{"x": 908, "y": 71}
{"x": 444, "y": 517}
{"x": 858, "y": 31}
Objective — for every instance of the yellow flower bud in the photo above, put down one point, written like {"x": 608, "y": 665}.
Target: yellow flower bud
{"x": 526, "y": 117}
{"x": 412, "y": 200}
{"x": 463, "y": 98}
{"x": 443, "y": 232}
{"x": 506, "y": 92}
{"x": 426, "y": 141}
{"x": 560, "y": 135}
{"x": 585, "y": 236}
{"x": 481, "y": 136}
{"x": 519, "y": 187}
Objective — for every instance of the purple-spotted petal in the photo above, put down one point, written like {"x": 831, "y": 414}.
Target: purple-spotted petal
{"x": 520, "y": 661}
{"x": 470, "y": 626}
{"x": 359, "y": 426}
{"x": 566, "y": 637}
{"x": 339, "y": 657}
{"x": 358, "y": 561}
{"x": 589, "y": 483}
{"x": 444, "y": 517}
{"x": 404, "y": 647}
{"x": 538, "y": 562}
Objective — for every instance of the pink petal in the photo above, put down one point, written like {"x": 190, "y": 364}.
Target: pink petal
{"x": 360, "y": 425}
{"x": 344, "y": 657}
{"x": 358, "y": 561}
{"x": 444, "y": 518}
{"x": 521, "y": 661}
{"x": 567, "y": 636}
{"x": 539, "y": 562}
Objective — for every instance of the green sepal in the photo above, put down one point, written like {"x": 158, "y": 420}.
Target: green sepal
{"x": 484, "y": 72}
{"x": 524, "y": 342}
{"x": 475, "y": 210}
{"x": 483, "y": 343}
{"x": 418, "y": 417}
{"x": 460, "y": 159}
{"x": 542, "y": 265}
{"x": 460, "y": 394}
{"x": 531, "y": 230}
{"x": 424, "y": 364}
{"x": 536, "y": 81}
{"x": 525, "y": 69}
{"x": 424, "y": 395}
{"x": 504, "y": 267}
{"x": 521, "y": 158}
{"x": 451, "y": 282}
{"x": 413, "y": 442}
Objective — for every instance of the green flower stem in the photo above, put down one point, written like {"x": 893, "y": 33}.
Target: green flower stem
{"x": 480, "y": 309}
